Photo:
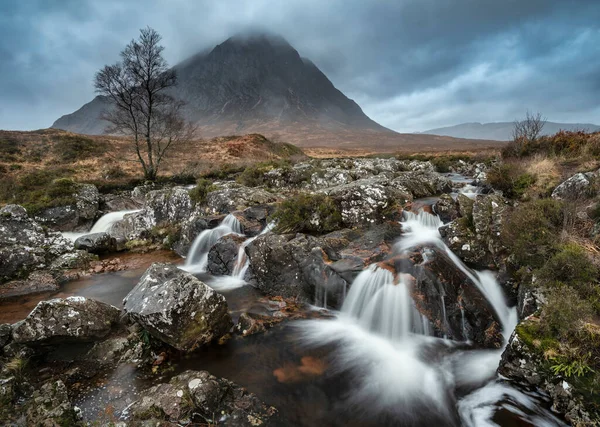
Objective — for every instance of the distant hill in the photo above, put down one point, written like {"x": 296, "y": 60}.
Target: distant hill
{"x": 502, "y": 131}
{"x": 260, "y": 84}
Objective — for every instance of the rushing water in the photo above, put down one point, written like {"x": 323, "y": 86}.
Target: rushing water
{"x": 197, "y": 257}
{"x": 375, "y": 363}
{"x": 104, "y": 224}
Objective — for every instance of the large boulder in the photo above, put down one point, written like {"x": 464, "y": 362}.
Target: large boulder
{"x": 368, "y": 201}
{"x": 97, "y": 243}
{"x": 24, "y": 245}
{"x": 203, "y": 397}
{"x": 177, "y": 308}
{"x": 161, "y": 208}
{"x": 79, "y": 216}
{"x": 577, "y": 187}
{"x": 475, "y": 238}
{"x": 236, "y": 198}
{"x": 293, "y": 266}
{"x": 73, "y": 319}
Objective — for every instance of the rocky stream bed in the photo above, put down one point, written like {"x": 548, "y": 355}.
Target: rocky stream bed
{"x": 403, "y": 315}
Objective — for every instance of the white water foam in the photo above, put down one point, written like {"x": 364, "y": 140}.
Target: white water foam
{"x": 104, "y": 224}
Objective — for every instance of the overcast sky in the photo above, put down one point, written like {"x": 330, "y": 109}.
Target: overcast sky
{"x": 410, "y": 64}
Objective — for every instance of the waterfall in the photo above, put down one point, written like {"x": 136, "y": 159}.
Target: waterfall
{"x": 242, "y": 262}
{"x": 197, "y": 257}
{"x": 104, "y": 224}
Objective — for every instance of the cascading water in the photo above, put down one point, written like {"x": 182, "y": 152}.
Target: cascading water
{"x": 242, "y": 262}
{"x": 104, "y": 224}
{"x": 383, "y": 341}
{"x": 197, "y": 258}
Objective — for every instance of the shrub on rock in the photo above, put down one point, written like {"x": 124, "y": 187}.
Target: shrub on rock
{"x": 307, "y": 213}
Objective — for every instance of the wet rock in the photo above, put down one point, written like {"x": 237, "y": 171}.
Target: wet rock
{"x": 253, "y": 323}
{"x": 451, "y": 300}
{"x": 577, "y": 187}
{"x": 78, "y": 259}
{"x": 203, "y": 397}
{"x": 77, "y": 217}
{"x": 73, "y": 319}
{"x": 293, "y": 266}
{"x": 446, "y": 208}
{"x": 36, "y": 282}
{"x": 192, "y": 227}
{"x": 97, "y": 243}
{"x": 523, "y": 363}
{"x": 5, "y": 335}
{"x": 423, "y": 184}
{"x": 368, "y": 201}
{"x": 51, "y": 407}
{"x": 237, "y": 198}
{"x": 161, "y": 208}
{"x": 222, "y": 257}
{"x": 476, "y": 240}
{"x": 254, "y": 219}
{"x": 24, "y": 246}
{"x": 177, "y": 308}
{"x": 465, "y": 206}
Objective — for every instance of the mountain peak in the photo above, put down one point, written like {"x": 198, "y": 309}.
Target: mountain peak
{"x": 257, "y": 37}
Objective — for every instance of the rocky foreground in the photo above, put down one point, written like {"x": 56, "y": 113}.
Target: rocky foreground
{"x": 353, "y": 222}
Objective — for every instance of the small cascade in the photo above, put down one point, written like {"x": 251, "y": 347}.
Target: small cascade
{"x": 422, "y": 228}
{"x": 382, "y": 306}
{"x": 197, "y": 258}
{"x": 104, "y": 224}
{"x": 470, "y": 190}
{"x": 242, "y": 262}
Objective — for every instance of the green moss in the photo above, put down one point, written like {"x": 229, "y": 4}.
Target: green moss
{"x": 253, "y": 176}
{"x": 309, "y": 213}
{"x": 532, "y": 232}
{"x": 200, "y": 191}
{"x": 510, "y": 179}
{"x": 167, "y": 235}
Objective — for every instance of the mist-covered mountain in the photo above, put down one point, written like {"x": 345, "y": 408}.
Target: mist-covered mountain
{"x": 256, "y": 83}
{"x": 502, "y": 131}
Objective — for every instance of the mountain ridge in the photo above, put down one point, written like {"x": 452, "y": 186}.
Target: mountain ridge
{"x": 501, "y": 131}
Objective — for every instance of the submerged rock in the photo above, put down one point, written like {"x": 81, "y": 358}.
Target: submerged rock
{"x": 201, "y": 397}
{"x": 177, "y": 308}
{"x": 73, "y": 319}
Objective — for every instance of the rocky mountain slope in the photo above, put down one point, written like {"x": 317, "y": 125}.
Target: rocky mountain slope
{"x": 502, "y": 131}
{"x": 261, "y": 84}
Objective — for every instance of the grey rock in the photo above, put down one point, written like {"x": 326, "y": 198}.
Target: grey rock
{"x": 577, "y": 187}
{"x": 423, "y": 184}
{"x": 232, "y": 199}
{"x": 73, "y": 319}
{"x": 177, "y": 308}
{"x": 36, "y": 282}
{"x": 77, "y": 217}
{"x": 222, "y": 257}
{"x": 213, "y": 400}
{"x": 50, "y": 406}
{"x": 97, "y": 243}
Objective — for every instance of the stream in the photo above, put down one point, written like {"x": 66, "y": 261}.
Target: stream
{"x": 373, "y": 362}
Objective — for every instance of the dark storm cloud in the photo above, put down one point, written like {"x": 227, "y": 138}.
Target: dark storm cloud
{"x": 411, "y": 64}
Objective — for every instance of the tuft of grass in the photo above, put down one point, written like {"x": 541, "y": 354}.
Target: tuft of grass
{"x": 200, "y": 191}
{"x": 253, "y": 175}
{"x": 71, "y": 148}
{"x": 511, "y": 179}
{"x": 308, "y": 213}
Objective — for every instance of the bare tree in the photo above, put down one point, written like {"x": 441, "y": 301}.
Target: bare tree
{"x": 528, "y": 130}
{"x": 141, "y": 106}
